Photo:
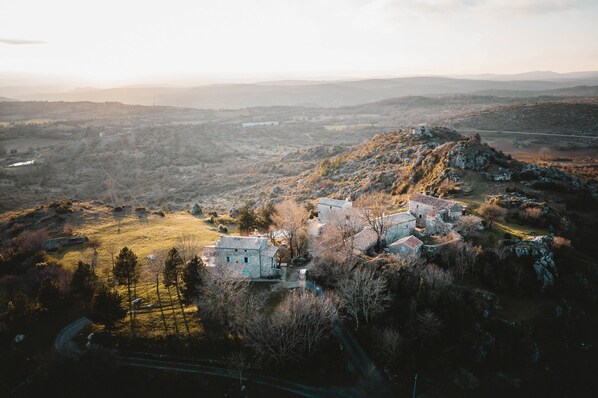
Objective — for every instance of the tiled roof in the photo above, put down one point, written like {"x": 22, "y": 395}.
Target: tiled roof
{"x": 399, "y": 218}
{"x": 365, "y": 239}
{"x": 410, "y": 241}
{"x": 433, "y": 201}
{"x": 332, "y": 202}
{"x": 240, "y": 242}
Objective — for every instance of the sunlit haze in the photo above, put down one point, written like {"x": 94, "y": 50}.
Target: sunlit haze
{"x": 147, "y": 41}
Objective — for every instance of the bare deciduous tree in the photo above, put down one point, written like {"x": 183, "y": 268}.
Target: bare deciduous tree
{"x": 459, "y": 257}
{"x": 371, "y": 210}
{"x": 428, "y": 324}
{"x": 408, "y": 260}
{"x": 435, "y": 280}
{"x": 188, "y": 247}
{"x": 346, "y": 226}
{"x": 294, "y": 329}
{"x": 389, "y": 345}
{"x": 363, "y": 294}
{"x": 222, "y": 293}
{"x": 491, "y": 213}
{"x": 33, "y": 240}
{"x": 469, "y": 225}
{"x": 239, "y": 362}
{"x": 290, "y": 219}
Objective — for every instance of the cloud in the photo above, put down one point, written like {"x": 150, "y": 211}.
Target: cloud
{"x": 526, "y": 7}
{"x": 17, "y": 42}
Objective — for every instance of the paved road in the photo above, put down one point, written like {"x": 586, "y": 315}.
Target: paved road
{"x": 64, "y": 343}
{"x": 279, "y": 384}
{"x": 593, "y": 137}
{"x": 359, "y": 358}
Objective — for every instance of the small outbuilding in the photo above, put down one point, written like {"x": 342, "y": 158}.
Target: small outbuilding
{"x": 407, "y": 245}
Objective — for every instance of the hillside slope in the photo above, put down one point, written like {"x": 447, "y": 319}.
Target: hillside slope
{"x": 440, "y": 162}
{"x": 567, "y": 118}
{"x": 433, "y": 160}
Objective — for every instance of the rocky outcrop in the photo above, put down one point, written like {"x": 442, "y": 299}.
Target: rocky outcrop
{"x": 501, "y": 175}
{"x": 514, "y": 201}
{"x": 539, "y": 249}
{"x": 314, "y": 153}
{"x": 552, "y": 179}
{"x": 466, "y": 156}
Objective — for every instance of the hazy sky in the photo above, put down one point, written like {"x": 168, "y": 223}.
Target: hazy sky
{"x": 126, "y": 40}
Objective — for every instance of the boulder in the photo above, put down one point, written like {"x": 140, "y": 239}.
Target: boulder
{"x": 196, "y": 210}
{"x": 539, "y": 248}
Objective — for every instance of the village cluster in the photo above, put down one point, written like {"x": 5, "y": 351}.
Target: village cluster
{"x": 255, "y": 257}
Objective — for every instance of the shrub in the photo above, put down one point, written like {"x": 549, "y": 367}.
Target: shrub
{"x": 68, "y": 230}
{"x": 223, "y": 228}
{"x": 560, "y": 242}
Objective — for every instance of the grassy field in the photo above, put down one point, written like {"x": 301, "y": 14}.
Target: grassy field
{"x": 149, "y": 234}
{"x": 145, "y": 235}
{"x": 149, "y": 321}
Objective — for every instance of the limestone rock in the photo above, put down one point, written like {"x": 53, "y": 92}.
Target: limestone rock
{"x": 539, "y": 248}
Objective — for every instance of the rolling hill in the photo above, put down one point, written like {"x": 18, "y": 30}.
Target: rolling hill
{"x": 291, "y": 93}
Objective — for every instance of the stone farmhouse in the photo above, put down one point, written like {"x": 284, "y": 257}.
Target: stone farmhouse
{"x": 433, "y": 213}
{"x": 427, "y": 214}
{"x": 329, "y": 209}
{"x": 252, "y": 257}
{"x": 400, "y": 225}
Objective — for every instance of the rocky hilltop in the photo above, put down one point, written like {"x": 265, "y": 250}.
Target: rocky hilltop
{"x": 435, "y": 160}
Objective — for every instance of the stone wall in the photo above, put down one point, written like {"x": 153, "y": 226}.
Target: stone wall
{"x": 399, "y": 231}
{"x": 247, "y": 262}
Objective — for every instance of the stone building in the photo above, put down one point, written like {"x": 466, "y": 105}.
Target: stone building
{"x": 252, "y": 257}
{"x": 328, "y": 209}
{"x": 399, "y": 225}
{"x": 407, "y": 245}
{"x": 422, "y": 205}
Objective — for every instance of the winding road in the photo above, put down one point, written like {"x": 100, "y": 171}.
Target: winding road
{"x": 65, "y": 345}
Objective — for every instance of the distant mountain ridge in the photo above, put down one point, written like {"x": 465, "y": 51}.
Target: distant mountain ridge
{"x": 311, "y": 93}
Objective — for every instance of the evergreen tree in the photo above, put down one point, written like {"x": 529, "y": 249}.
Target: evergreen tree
{"x": 247, "y": 219}
{"x": 106, "y": 307}
{"x": 83, "y": 282}
{"x": 192, "y": 278}
{"x": 265, "y": 217}
{"x": 125, "y": 272}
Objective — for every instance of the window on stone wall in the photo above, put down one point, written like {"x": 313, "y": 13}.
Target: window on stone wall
{"x": 228, "y": 259}
{"x": 246, "y": 260}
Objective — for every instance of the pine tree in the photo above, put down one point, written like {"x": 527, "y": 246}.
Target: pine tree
{"x": 83, "y": 282}
{"x": 125, "y": 272}
{"x": 192, "y": 278}
{"x": 247, "y": 219}
{"x": 106, "y": 307}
